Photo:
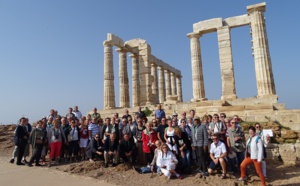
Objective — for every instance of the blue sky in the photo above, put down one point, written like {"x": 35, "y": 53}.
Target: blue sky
{"x": 51, "y": 52}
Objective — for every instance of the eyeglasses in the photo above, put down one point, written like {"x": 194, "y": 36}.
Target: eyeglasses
{"x": 214, "y": 139}
{"x": 216, "y": 117}
{"x": 222, "y": 116}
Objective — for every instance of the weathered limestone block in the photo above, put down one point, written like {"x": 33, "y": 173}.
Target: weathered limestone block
{"x": 115, "y": 40}
{"x": 288, "y": 153}
{"x": 288, "y": 134}
{"x": 208, "y": 25}
{"x": 237, "y": 21}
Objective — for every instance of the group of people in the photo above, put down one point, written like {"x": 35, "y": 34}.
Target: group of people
{"x": 211, "y": 144}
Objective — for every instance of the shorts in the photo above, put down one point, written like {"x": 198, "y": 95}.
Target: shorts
{"x": 83, "y": 143}
{"x": 213, "y": 166}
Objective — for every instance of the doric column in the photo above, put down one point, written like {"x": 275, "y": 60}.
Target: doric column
{"x": 197, "y": 72}
{"x": 123, "y": 79}
{"x": 168, "y": 83}
{"x": 263, "y": 68}
{"x": 226, "y": 64}
{"x": 173, "y": 84}
{"x": 179, "y": 88}
{"x": 135, "y": 80}
{"x": 162, "y": 93}
{"x": 109, "y": 89}
{"x": 154, "y": 83}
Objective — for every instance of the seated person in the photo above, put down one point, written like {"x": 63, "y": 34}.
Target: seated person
{"x": 154, "y": 165}
{"x": 218, "y": 155}
{"x": 167, "y": 162}
{"x": 111, "y": 145}
{"x": 95, "y": 148}
{"x": 128, "y": 149}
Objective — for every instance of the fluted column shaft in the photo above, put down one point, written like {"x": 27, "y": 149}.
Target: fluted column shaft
{"x": 173, "y": 84}
{"x": 226, "y": 63}
{"x": 179, "y": 88}
{"x": 123, "y": 79}
{"x": 162, "y": 92}
{"x": 263, "y": 68}
{"x": 109, "y": 89}
{"x": 154, "y": 83}
{"x": 135, "y": 80}
{"x": 197, "y": 71}
{"x": 168, "y": 83}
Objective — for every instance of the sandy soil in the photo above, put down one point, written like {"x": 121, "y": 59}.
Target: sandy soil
{"x": 125, "y": 175}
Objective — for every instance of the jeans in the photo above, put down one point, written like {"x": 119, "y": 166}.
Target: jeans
{"x": 36, "y": 155}
{"x": 236, "y": 161}
{"x": 186, "y": 159}
{"x": 201, "y": 156}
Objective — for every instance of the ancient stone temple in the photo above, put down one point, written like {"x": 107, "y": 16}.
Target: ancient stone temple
{"x": 153, "y": 81}
{"x": 264, "y": 74}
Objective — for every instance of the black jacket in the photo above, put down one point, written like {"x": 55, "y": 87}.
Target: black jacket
{"x": 95, "y": 146}
{"x": 127, "y": 146}
{"x": 114, "y": 146}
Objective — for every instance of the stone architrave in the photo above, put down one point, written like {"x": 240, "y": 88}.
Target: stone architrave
{"x": 173, "y": 84}
{"x": 226, "y": 63}
{"x": 263, "y": 68}
{"x": 168, "y": 83}
{"x": 162, "y": 92}
{"x": 135, "y": 80}
{"x": 197, "y": 71}
{"x": 123, "y": 79}
{"x": 179, "y": 88}
{"x": 109, "y": 89}
{"x": 154, "y": 83}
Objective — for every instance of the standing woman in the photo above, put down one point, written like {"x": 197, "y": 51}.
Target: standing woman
{"x": 138, "y": 136}
{"x": 73, "y": 140}
{"x": 56, "y": 136}
{"x": 254, "y": 154}
{"x": 84, "y": 137}
{"x": 149, "y": 138}
{"x": 37, "y": 139}
{"x": 169, "y": 137}
{"x": 20, "y": 139}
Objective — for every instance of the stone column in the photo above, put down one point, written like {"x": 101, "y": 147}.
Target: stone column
{"x": 154, "y": 83}
{"x": 179, "y": 88}
{"x": 162, "y": 93}
{"x": 168, "y": 83}
{"x": 123, "y": 79}
{"x": 109, "y": 89}
{"x": 226, "y": 64}
{"x": 197, "y": 72}
{"x": 173, "y": 84}
{"x": 263, "y": 68}
{"x": 135, "y": 80}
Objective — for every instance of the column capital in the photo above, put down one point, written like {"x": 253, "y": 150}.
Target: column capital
{"x": 194, "y": 35}
{"x": 107, "y": 43}
{"x": 153, "y": 65}
{"x": 132, "y": 55}
{"x": 160, "y": 68}
{"x": 120, "y": 50}
{"x": 260, "y": 7}
{"x": 167, "y": 71}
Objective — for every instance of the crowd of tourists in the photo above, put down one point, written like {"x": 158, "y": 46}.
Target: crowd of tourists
{"x": 170, "y": 145}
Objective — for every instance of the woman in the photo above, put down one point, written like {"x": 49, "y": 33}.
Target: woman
{"x": 37, "y": 140}
{"x": 169, "y": 137}
{"x": 265, "y": 140}
{"x": 56, "y": 136}
{"x": 138, "y": 136}
{"x": 154, "y": 124}
{"x": 167, "y": 161}
{"x": 254, "y": 154}
{"x": 183, "y": 141}
{"x": 236, "y": 144}
{"x": 73, "y": 140}
{"x": 84, "y": 137}
{"x": 149, "y": 138}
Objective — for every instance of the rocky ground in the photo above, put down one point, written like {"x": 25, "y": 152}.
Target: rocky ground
{"x": 124, "y": 175}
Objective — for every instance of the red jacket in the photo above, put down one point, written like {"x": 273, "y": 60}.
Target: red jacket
{"x": 146, "y": 139}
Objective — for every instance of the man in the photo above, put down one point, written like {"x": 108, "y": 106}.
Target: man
{"x": 222, "y": 116}
{"x": 95, "y": 114}
{"x": 218, "y": 155}
{"x": 183, "y": 117}
{"x": 93, "y": 128}
{"x": 141, "y": 114}
{"x": 126, "y": 115}
{"x": 102, "y": 127}
{"x": 124, "y": 129}
{"x": 49, "y": 122}
{"x": 128, "y": 149}
{"x": 20, "y": 139}
{"x": 199, "y": 144}
{"x": 113, "y": 127}
{"x": 159, "y": 113}
{"x": 77, "y": 113}
{"x": 111, "y": 149}
{"x": 70, "y": 114}
{"x": 217, "y": 126}
{"x": 52, "y": 114}
{"x": 192, "y": 115}
{"x": 161, "y": 130}
{"x": 95, "y": 148}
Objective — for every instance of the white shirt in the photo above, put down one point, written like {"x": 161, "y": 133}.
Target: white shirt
{"x": 217, "y": 150}
{"x": 77, "y": 114}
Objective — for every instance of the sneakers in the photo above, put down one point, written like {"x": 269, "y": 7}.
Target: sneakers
{"x": 91, "y": 160}
{"x": 25, "y": 161}
{"x": 242, "y": 179}
{"x": 205, "y": 174}
{"x": 12, "y": 160}
{"x": 159, "y": 173}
